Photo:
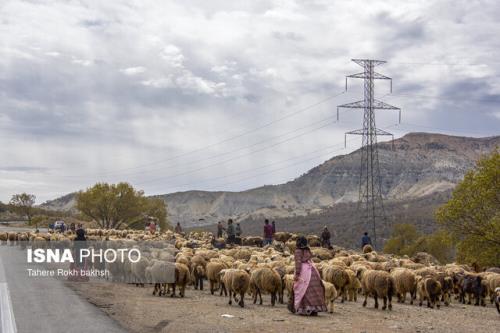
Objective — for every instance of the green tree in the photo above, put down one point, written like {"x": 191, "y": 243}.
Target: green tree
{"x": 119, "y": 205}
{"x": 472, "y": 215}
{"x": 403, "y": 237}
{"x": 406, "y": 240}
{"x": 22, "y": 204}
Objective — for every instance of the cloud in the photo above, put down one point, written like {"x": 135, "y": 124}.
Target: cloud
{"x": 120, "y": 90}
{"x": 133, "y": 70}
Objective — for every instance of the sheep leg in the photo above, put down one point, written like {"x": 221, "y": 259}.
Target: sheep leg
{"x": 201, "y": 282}
{"x": 376, "y": 300}
{"x": 273, "y": 298}
{"x": 211, "y": 286}
{"x": 242, "y": 302}
{"x": 389, "y": 297}
{"x": 173, "y": 290}
{"x": 412, "y": 297}
{"x": 366, "y": 298}
{"x": 182, "y": 289}
{"x": 255, "y": 296}
{"x": 385, "y": 303}
{"x": 230, "y": 296}
{"x": 342, "y": 290}
{"x": 331, "y": 305}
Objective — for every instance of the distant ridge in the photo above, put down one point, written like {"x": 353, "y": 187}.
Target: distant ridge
{"x": 420, "y": 165}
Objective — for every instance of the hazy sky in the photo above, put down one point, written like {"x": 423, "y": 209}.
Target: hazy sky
{"x": 226, "y": 95}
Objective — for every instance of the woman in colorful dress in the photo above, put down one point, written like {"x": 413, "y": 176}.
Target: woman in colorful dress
{"x": 308, "y": 289}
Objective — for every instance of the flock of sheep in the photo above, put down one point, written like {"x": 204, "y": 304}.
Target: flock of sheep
{"x": 171, "y": 261}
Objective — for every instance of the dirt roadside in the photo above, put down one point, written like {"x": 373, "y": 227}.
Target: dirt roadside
{"x": 138, "y": 311}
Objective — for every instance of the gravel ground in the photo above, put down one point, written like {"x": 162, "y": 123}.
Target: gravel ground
{"x": 138, "y": 311}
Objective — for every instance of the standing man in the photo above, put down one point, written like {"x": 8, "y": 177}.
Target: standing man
{"x": 178, "y": 228}
{"x": 220, "y": 228}
{"x": 268, "y": 233}
{"x": 325, "y": 238}
{"x": 273, "y": 224}
{"x": 231, "y": 235}
{"x": 365, "y": 240}
{"x": 238, "y": 233}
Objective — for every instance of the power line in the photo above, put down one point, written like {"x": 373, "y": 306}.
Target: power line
{"x": 237, "y": 157}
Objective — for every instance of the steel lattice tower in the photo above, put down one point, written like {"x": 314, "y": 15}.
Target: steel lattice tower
{"x": 370, "y": 202}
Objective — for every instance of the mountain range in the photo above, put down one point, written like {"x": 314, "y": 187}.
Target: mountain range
{"x": 414, "y": 167}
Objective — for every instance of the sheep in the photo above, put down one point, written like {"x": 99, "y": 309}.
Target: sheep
{"x": 338, "y": 276}
{"x": 471, "y": 285}
{"x": 330, "y": 294}
{"x": 182, "y": 278}
{"x": 428, "y": 288}
{"x": 138, "y": 269}
{"x": 266, "y": 280}
{"x": 3, "y": 237}
{"x": 212, "y": 271}
{"x": 198, "y": 268}
{"x": 353, "y": 286}
{"x": 497, "y": 298}
{"x": 404, "y": 282}
{"x": 288, "y": 281}
{"x": 236, "y": 281}
{"x": 367, "y": 248}
{"x": 493, "y": 282}
{"x": 377, "y": 284}
{"x": 160, "y": 273}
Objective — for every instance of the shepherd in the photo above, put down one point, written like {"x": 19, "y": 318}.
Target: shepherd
{"x": 308, "y": 297}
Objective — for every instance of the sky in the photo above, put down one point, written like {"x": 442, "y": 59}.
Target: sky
{"x": 226, "y": 95}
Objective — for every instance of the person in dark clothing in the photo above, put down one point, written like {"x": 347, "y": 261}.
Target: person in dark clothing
{"x": 231, "y": 235}
{"x": 220, "y": 229}
{"x": 80, "y": 264}
{"x": 178, "y": 228}
{"x": 325, "y": 238}
{"x": 273, "y": 225}
{"x": 365, "y": 240}
{"x": 238, "y": 233}
{"x": 268, "y": 233}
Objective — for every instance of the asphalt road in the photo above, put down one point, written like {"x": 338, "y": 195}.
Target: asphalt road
{"x": 43, "y": 304}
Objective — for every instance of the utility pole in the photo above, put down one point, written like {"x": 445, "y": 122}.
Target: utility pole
{"x": 370, "y": 203}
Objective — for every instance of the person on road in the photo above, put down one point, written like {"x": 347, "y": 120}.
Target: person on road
{"x": 79, "y": 266}
{"x": 268, "y": 233}
{"x": 220, "y": 229}
{"x": 365, "y": 240}
{"x": 325, "y": 238}
{"x": 308, "y": 297}
{"x": 231, "y": 233}
{"x": 178, "y": 228}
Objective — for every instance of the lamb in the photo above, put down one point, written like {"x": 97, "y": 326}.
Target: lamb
{"x": 330, "y": 294}
{"x": 267, "y": 280}
{"x": 377, "y": 284}
{"x": 430, "y": 289}
{"x": 236, "y": 281}
{"x": 404, "y": 282}
{"x": 338, "y": 276}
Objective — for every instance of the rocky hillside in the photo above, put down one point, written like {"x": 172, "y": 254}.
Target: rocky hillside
{"x": 414, "y": 166}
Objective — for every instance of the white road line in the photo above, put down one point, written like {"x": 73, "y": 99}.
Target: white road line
{"x": 8, "y": 324}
